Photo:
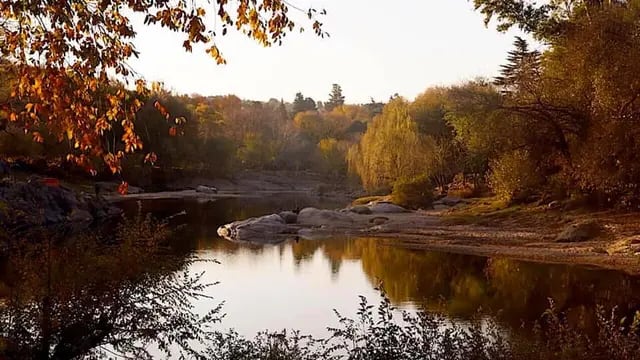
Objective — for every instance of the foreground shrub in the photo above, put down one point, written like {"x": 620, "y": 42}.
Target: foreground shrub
{"x": 414, "y": 193}
{"x": 514, "y": 176}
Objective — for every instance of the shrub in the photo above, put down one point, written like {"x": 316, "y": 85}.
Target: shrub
{"x": 514, "y": 176}
{"x": 414, "y": 193}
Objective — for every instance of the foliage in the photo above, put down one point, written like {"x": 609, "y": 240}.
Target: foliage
{"x": 70, "y": 62}
{"x": 392, "y": 148}
{"x": 514, "y": 176}
{"x": 302, "y": 104}
{"x": 332, "y": 155}
{"x": 413, "y": 193}
{"x": 335, "y": 98}
{"x": 70, "y": 298}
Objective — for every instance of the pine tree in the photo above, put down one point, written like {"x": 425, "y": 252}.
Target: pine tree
{"x": 301, "y": 104}
{"x": 335, "y": 98}
{"x": 522, "y": 72}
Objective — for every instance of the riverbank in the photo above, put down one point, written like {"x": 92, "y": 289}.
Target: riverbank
{"x": 478, "y": 227}
{"x": 537, "y": 233}
{"x": 246, "y": 184}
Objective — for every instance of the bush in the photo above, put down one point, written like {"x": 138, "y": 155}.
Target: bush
{"x": 414, "y": 193}
{"x": 514, "y": 176}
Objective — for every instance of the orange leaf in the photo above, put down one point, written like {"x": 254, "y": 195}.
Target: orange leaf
{"x": 151, "y": 158}
{"x": 123, "y": 188}
{"x": 37, "y": 137}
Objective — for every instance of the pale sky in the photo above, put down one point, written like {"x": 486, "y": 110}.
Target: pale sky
{"x": 376, "y": 48}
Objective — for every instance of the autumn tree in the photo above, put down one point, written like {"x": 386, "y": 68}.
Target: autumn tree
{"x": 335, "y": 98}
{"x": 62, "y": 55}
{"x": 391, "y": 149}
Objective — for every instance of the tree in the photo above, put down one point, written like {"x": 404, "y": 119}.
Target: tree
{"x": 428, "y": 111}
{"x": 391, "y": 149}
{"x": 302, "y": 104}
{"x": 335, "y": 98}
{"x": 521, "y": 75}
{"x": 64, "y": 53}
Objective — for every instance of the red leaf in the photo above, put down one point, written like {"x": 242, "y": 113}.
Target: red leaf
{"x": 123, "y": 189}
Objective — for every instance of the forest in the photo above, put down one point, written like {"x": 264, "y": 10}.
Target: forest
{"x": 459, "y": 209}
{"x": 557, "y": 123}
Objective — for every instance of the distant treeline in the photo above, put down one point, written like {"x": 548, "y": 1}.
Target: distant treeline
{"x": 557, "y": 123}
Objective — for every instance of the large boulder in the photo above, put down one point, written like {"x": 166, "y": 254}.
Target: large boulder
{"x": 264, "y": 229}
{"x": 386, "y": 208}
{"x": 317, "y": 217}
{"x": 581, "y": 231}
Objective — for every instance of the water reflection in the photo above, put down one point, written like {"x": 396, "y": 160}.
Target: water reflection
{"x": 62, "y": 297}
{"x": 123, "y": 295}
{"x": 457, "y": 286}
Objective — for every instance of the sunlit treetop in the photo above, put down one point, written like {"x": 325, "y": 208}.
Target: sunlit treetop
{"x": 69, "y": 60}
{"x": 543, "y": 19}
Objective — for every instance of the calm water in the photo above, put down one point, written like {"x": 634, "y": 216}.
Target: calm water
{"x": 297, "y": 285}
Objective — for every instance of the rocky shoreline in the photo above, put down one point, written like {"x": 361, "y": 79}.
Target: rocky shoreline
{"x": 581, "y": 242}
{"x": 33, "y": 203}
{"x": 312, "y": 223}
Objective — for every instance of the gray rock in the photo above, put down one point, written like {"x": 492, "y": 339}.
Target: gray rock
{"x": 582, "y": 231}
{"x": 289, "y": 217}
{"x": 379, "y": 220}
{"x": 360, "y": 209}
{"x": 387, "y": 208}
{"x": 206, "y": 189}
{"x": 441, "y": 207}
{"x": 316, "y": 217}
{"x": 450, "y": 201}
{"x": 134, "y": 190}
{"x": 79, "y": 215}
{"x": 264, "y": 229}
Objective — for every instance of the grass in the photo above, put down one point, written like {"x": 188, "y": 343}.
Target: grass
{"x": 492, "y": 211}
{"x": 367, "y": 199}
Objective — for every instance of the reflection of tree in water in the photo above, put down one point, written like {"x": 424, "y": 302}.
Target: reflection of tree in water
{"x": 66, "y": 298}
{"x": 459, "y": 285}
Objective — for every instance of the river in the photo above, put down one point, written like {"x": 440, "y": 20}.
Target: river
{"x": 298, "y": 285}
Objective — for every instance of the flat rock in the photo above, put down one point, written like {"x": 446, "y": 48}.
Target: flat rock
{"x": 317, "y": 217}
{"x": 360, "y": 209}
{"x": 206, "y": 189}
{"x": 450, "y": 200}
{"x": 387, "y": 208}
{"x": 441, "y": 207}
{"x": 379, "y": 220}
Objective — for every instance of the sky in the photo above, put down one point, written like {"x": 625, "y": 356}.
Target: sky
{"x": 376, "y": 48}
